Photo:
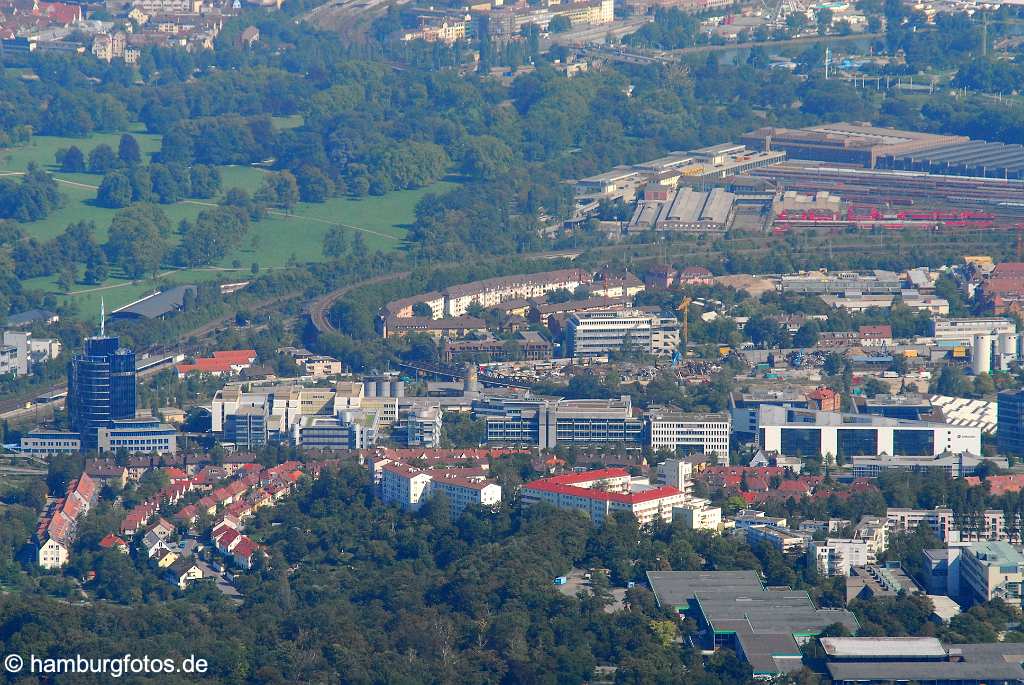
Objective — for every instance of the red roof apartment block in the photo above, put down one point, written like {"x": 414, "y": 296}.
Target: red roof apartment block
{"x": 603, "y": 492}
{"x": 222, "y": 361}
{"x": 999, "y": 485}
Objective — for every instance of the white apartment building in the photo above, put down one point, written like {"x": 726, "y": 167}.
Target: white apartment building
{"x": 152, "y": 7}
{"x": 102, "y": 47}
{"x": 875, "y": 532}
{"x": 319, "y": 366}
{"x": 8, "y": 360}
{"x": 828, "y": 526}
{"x": 21, "y": 351}
{"x": 596, "y": 333}
{"x": 990, "y": 525}
{"x": 746, "y": 518}
{"x": 493, "y": 291}
{"x": 462, "y": 491}
{"x": 46, "y": 443}
{"x": 587, "y": 13}
{"x": 404, "y": 485}
{"x": 690, "y": 433}
{"x": 423, "y": 427}
{"x": 676, "y": 473}
{"x": 409, "y": 487}
{"x": 835, "y": 556}
{"x": 403, "y": 308}
{"x": 990, "y": 570}
{"x": 447, "y": 31}
{"x": 603, "y": 493}
{"x": 626, "y": 287}
{"x": 52, "y": 554}
{"x": 694, "y": 512}
{"x": 782, "y": 539}
{"x": 962, "y": 331}
{"x": 939, "y": 520}
{"x": 697, "y": 514}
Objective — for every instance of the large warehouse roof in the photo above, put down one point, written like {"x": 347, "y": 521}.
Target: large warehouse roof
{"x": 155, "y": 305}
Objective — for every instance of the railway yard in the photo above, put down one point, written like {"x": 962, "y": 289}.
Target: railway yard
{"x": 834, "y": 177}
{"x": 895, "y": 200}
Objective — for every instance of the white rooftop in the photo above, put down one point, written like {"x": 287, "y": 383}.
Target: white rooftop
{"x": 963, "y": 412}
{"x": 945, "y": 607}
{"x": 888, "y": 647}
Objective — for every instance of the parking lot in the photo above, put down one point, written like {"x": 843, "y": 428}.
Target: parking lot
{"x": 577, "y": 581}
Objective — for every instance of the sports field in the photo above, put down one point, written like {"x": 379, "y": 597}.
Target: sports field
{"x": 271, "y": 243}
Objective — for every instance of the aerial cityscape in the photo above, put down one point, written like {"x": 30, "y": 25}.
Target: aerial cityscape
{"x": 612, "y": 342}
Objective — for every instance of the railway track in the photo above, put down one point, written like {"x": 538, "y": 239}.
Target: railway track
{"x": 319, "y": 308}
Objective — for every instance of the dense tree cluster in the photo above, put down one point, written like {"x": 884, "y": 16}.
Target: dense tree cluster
{"x": 211, "y": 236}
{"x": 138, "y": 240}
{"x": 953, "y": 37}
{"x": 991, "y": 75}
{"x": 79, "y": 113}
{"x": 911, "y": 615}
{"x": 279, "y": 190}
{"x": 250, "y": 91}
{"x": 31, "y": 198}
{"x": 163, "y": 183}
{"x": 225, "y": 139}
{"x": 62, "y": 254}
{"x": 671, "y": 29}
{"x": 984, "y": 121}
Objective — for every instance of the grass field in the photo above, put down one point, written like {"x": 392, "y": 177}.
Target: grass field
{"x": 271, "y": 243}
{"x": 42, "y": 149}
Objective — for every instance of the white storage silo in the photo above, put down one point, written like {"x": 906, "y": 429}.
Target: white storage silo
{"x": 981, "y": 354}
{"x": 1008, "y": 343}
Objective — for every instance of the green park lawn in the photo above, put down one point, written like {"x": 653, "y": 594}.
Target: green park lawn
{"x": 271, "y": 243}
{"x": 43, "y": 149}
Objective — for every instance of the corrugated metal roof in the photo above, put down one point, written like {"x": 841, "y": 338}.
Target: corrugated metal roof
{"x": 155, "y": 305}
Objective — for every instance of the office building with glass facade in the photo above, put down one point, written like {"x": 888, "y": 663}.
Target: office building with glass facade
{"x": 547, "y": 423}
{"x": 101, "y": 388}
{"x": 247, "y": 428}
{"x": 811, "y": 433}
{"x": 1010, "y": 422}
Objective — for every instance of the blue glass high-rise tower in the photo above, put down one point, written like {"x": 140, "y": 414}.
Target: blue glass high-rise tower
{"x": 101, "y": 387}
{"x": 1010, "y": 422}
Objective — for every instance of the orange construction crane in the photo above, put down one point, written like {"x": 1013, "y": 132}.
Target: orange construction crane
{"x": 684, "y": 307}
